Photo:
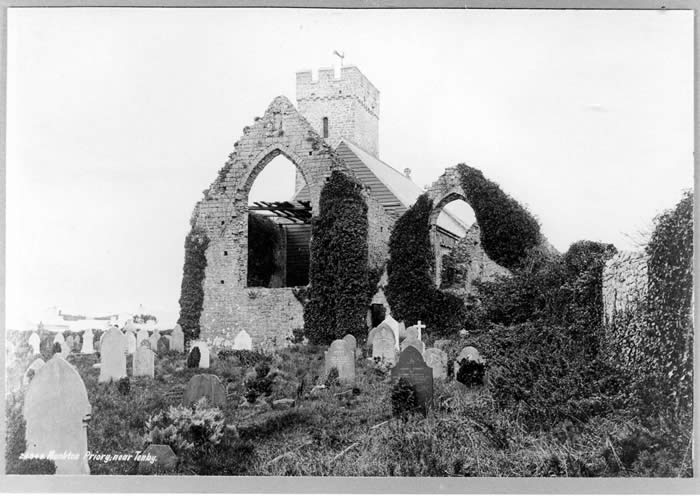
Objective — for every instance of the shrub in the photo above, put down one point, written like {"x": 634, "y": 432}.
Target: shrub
{"x": 124, "y": 386}
{"x": 261, "y": 383}
{"x": 193, "y": 358}
{"x": 411, "y": 290}
{"x": 470, "y": 373}
{"x": 508, "y": 230}
{"x": 339, "y": 263}
{"x": 192, "y": 289}
{"x": 263, "y": 241}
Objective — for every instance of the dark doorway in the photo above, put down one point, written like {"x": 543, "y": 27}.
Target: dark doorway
{"x": 378, "y": 314}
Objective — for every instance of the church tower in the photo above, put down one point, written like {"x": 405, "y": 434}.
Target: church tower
{"x": 345, "y": 107}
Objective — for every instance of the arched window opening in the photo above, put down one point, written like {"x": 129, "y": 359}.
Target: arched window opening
{"x": 279, "y": 227}
{"x": 454, "y": 227}
{"x": 325, "y": 127}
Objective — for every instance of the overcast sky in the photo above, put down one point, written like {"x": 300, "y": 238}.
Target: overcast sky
{"x": 119, "y": 118}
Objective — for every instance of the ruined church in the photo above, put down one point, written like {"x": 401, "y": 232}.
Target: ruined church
{"x": 335, "y": 117}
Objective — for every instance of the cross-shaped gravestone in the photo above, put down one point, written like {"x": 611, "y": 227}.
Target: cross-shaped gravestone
{"x": 419, "y": 375}
{"x": 420, "y": 327}
{"x": 56, "y": 409}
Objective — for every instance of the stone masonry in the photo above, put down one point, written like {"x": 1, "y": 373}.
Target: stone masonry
{"x": 625, "y": 283}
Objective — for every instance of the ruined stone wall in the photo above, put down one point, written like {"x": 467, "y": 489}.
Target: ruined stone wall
{"x": 350, "y": 102}
{"x": 223, "y": 215}
{"x": 625, "y": 283}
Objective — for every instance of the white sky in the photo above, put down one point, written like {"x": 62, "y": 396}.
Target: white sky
{"x": 119, "y": 118}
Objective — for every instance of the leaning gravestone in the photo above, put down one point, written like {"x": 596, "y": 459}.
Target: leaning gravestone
{"x": 178, "y": 342}
{"x": 203, "y": 353}
{"x": 154, "y": 340}
{"x": 88, "y": 342}
{"x": 351, "y": 341}
{"x": 143, "y": 361}
{"x": 413, "y": 342}
{"x": 157, "y": 459}
{"x": 384, "y": 347}
{"x": 141, "y": 335}
{"x": 55, "y": 410}
{"x": 112, "y": 356}
{"x": 413, "y": 369}
{"x": 35, "y": 343}
{"x": 242, "y": 341}
{"x": 208, "y": 386}
{"x": 163, "y": 345}
{"x": 340, "y": 356}
{"x": 436, "y": 359}
{"x": 130, "y": 342}
{"x": 32, "y": 371}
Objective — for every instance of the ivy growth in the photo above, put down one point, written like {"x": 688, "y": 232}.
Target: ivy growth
{"x": 192, "y": 289}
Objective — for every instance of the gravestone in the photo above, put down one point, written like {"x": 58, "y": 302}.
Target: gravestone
{"x": 413, "y": 342}
{"x": 112, "y": 356}
{"x": 384, "y": 347}
{"x": 382, "y": 328}
{"x": 392, "y": 323}
{"x": 242, "y": 341}
{"x": 143, "y": 361}
{"x": 178, "y": 342}
{"x": 88, "y": 342}
{"x": 154, "y": 340}
{"x": 470, "y": 354}
{"x": 56, "y": 408}
{"x": 65, "y": 350}
{"x": 194, "y": 357}
{"x": 341, "y": 357}
{"x": 157, "y": 459}
{"x": 31, "y": 371}
{"x": 163, "y": 345}
{"x": 208, "y": 386}
{"x": 203, "y": 353}
{"x": 395, "y": 332}
{"x": 130, "y": 342}
{"x": 413, "y": 369}
{"x": 35, "y": 343}
{"x": 351, "y": 341}
{"x": 141, "y": 335}
{"x": 412, "y": 332}
{"x": 436, "y": 359}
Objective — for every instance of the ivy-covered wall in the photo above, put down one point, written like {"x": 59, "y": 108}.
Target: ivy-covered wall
{"x": 192, "y": 290}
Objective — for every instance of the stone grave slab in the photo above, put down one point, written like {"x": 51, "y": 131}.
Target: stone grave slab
{"x": 112, "y": 356}
{"x": 412, "y": 368}
{"x": 384, "y": 347}
{"x": 88, "y": 342}
{"x": 154, "y": 340}
{"x": 437, "y": 360}
{"x": 143, "y": 364}
{"x": 351, "y": 341}
{"x": 34, "y": 342}
{"x": 242, "y": 341}
{"x": 56, "y": 409}
{"x": 130, "y": 342}
{"x": 341, "y": 357}
{"x": 178, "y": 342}
{"x": 208, "y": 386}
{"x": 141, "y": 335}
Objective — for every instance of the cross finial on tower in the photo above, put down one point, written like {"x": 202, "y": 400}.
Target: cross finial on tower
{"x": 341, "y": 55}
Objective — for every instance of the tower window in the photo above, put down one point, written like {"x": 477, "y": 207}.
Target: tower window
{"x": 325, "y": 127}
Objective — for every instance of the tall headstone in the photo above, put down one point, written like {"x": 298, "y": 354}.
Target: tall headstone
{"x": 154, "y": 340}
{"x": 56, "y": 408}
{"x": 112, "y": 356}
{"x": 143, "y": 361}
{"x": 208, "y": 386}
{"x": 203, "y": 352}
{"x": 384, "y": 347}
{"x": 35, "y": 343}
{"x": 413, "y": 369}
{"x": 141, "y": 335}
{"x": 32, "y": 370}
{"x": 130, "y": 342}
{"x": 351, "y": 342}
{"x": 436, "y": 359}
{"x": 242, "y": 341}
{"x": 341, "y": 357}
{"x": 178, "y": 342}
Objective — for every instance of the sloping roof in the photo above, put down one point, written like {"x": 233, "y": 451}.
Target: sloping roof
{"x": 392, "y": 189}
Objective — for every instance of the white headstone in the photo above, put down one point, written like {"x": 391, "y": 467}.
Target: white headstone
{"x": 384, "y": 347}
{"x": 112, "y": 356}
{"x": 242, "y": 341}
{"x": 56, "y": 407}
{"x": 141, "y": 335}
{"x": 341, "y": 357}
{"x": 436, "y": 359}
{"x": 88, "y": 342}
{"x": 59, "y": 339}
{"x": 203, "y": 352}
{"x": 130, "y": 342}
{"x": 178, "y": 342}
{"x": 34, "y": 342}
{"x": 143, "y": 361}
{"x": 392, "y": 323}
{"x": 394, "y": 332}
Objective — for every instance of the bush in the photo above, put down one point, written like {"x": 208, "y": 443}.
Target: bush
{"x": 508, "y": 230}
{"x": 261, "y": 383}
{"x": 470, "y": 373}
{"x": 186, "y": 428}
{"x": 263, "y": 241}
{"x": 192, "y": 289}
{"x": 338, "y": 297}
{"x": 411, "y": 290}
{"x": 124, "y": 386}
